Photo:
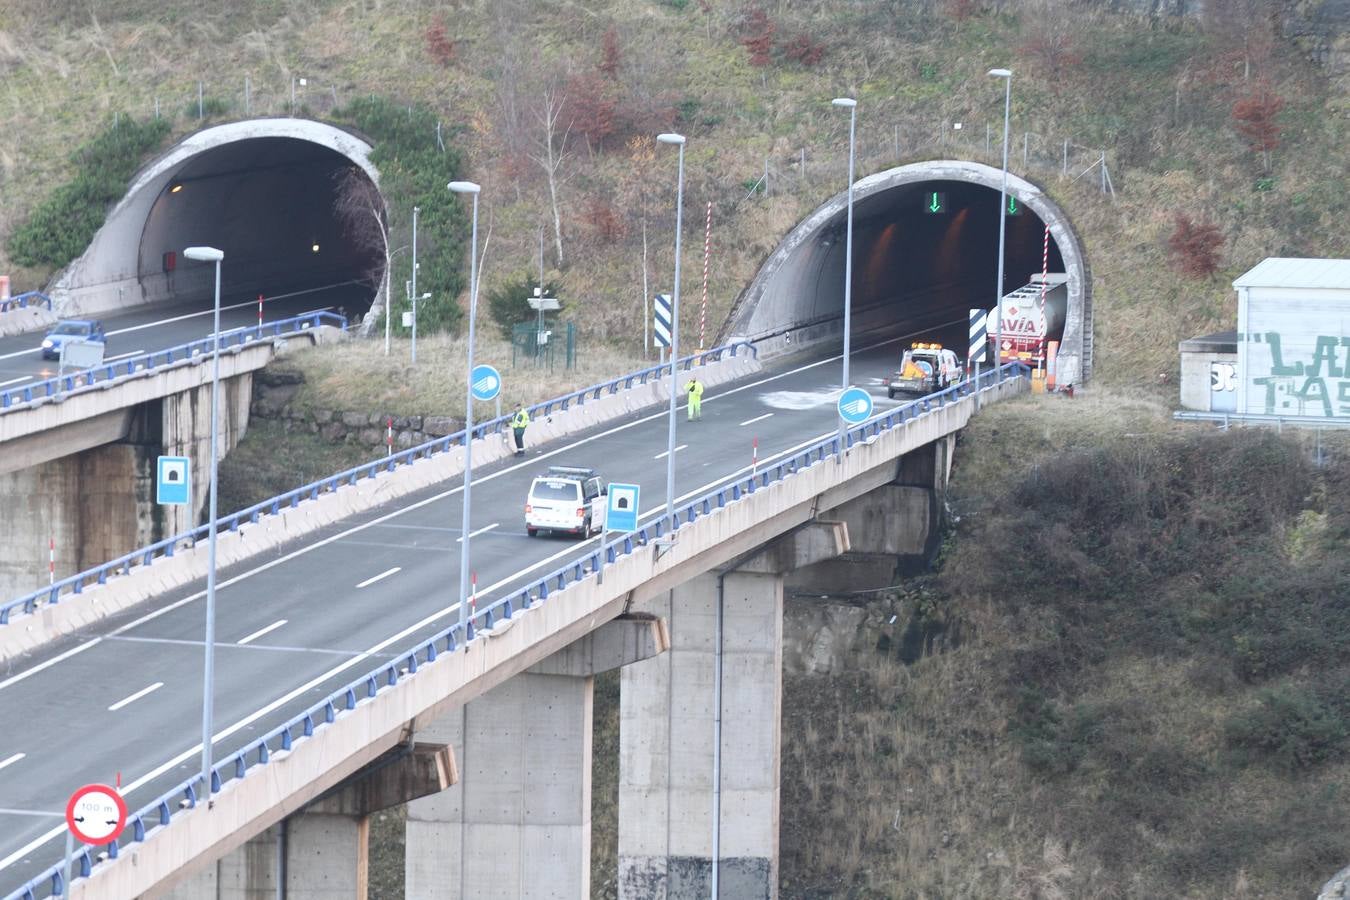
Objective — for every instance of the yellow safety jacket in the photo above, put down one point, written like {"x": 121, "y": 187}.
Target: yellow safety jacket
{"x": 520, "y": 419}
{"x": 695, "y": 389}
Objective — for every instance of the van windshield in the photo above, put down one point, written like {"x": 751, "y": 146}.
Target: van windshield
{"x": 564, "y": 491}
{"x": 71, "y": 328}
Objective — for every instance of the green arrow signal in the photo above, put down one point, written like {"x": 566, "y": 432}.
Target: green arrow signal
{"x": 934, "y": 206}
{"x": 1014, "y": 208}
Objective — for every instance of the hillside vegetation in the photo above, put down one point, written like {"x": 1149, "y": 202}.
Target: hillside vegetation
{"x": 1218, "y": 119}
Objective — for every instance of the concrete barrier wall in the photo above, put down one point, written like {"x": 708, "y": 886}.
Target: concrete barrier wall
{"x": 248, "y": 805}
{"x": 26, "y": 319}
{"x": 143, "y": 583}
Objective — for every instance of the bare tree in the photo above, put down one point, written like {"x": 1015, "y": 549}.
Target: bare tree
{"x": 552, "y": 147}
{"x": 359, "y": 208}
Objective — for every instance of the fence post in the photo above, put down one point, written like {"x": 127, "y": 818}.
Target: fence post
{"x": 766, "y": 176}
{"x": 1026, "y": 142}
{"x": 986, "y": 138}
{"x": 199, "y": 100}
{"x": 1064, "y": 169}
{"x": 247, "y": 97}
{"x": 1103, "y": 165}
{"x": 897, "y": 140}
{"x": 803, "y": 168}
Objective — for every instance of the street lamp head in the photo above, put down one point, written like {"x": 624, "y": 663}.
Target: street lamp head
{"x": 676, "y": 139}
{"x": 846, "y": 102}
{"x": 204, "y": 254}
{"x": 1001, "y": 73}
{"x": 463, "y": 187}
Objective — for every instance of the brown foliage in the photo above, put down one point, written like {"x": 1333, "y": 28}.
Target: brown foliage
{"x": 1054, "y": 53}
{"x": 757, "y": 35}
{"x": 802, "y": 49}
{"x": 960, "y": 10}
{"x": 1254, "y": 117}
{"x": 439, "y": 44}
{"x": 604, "y": 220}
{"x": 1195, "y": 247}
{"x": 611, "y": 56}
{"x": 591, "y": 107}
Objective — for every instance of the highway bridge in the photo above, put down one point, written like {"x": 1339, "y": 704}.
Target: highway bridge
{"x": 365, "y": 611}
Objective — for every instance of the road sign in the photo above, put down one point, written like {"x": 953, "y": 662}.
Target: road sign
{"x": 173, "y": 481}
{"x": 486, "y": 382}
{"x": 979, "y": 335}
{"x": 934, "y": 202}
{"x": 96, "y": 814}
{"x": 1014, "y": 206}
{"x": 661, "y": 326}
{"x": 622, "y": 512}
{"x": 82, "y": 354}
{"x": 855, "y": 405}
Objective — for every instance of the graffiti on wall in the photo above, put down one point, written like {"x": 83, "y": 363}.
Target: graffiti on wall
{"x": 1317, "y": 384}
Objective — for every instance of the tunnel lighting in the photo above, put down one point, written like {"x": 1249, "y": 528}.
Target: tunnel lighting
{"x": 314, "y": 248}
{"x": 176, "y": 188}
{"x": 671, "y": 138}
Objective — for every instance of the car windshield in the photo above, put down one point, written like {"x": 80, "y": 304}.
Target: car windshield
{"x": 71, "y": 328}
{"x": 554, "y": 490}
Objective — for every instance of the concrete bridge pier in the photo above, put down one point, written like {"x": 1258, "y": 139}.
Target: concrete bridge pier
{"x": 699, "y": 731}
{"x": 518, "y": 825}
{"x": 322, "y": 850}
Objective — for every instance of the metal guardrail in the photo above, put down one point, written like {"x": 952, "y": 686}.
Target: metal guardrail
{"x": 159, "y": 813}
{"x": 75, "y": 584}
{"x": 86, "y": 379}
{"x": 24, "y": 300}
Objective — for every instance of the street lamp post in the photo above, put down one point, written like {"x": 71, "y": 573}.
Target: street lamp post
{"x": 467, "y": 187}
{"x": 678, "y": 141}
{"x": 852, "y": 106}
{"x": 414, "y": 298}
{"x": 412, "y": 292}
{"x": 1006, "y": 75}
{"x": 210, "y": 254}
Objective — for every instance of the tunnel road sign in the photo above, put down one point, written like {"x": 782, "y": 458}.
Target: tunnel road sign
{"x": 172, "y": 481}
{"x": 855, "y": 405}
{"x": 486, "y": 382}
{"x": 622, "y": 511}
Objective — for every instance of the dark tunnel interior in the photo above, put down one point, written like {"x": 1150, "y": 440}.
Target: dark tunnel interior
{"x": 268, "y": 203}
{"x": 924, "y": 254}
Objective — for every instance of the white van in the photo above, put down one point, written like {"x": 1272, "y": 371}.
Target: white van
{"x": 566, "y": 498}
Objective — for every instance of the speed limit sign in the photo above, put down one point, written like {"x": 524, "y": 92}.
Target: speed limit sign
{"x": 96, "y": 814}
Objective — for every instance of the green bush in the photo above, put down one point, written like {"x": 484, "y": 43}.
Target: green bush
{"x": 61, "y": 227}
{"x": 414, "y": 167}
{"x": 210, "y": 108}
{"x": 508, "y": 303}
{"x": 1289, "y": 727}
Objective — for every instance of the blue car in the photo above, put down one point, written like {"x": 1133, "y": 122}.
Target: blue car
{"x": 71, "y": 330}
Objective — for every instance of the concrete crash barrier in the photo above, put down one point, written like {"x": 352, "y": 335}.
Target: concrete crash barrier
{"x": 138, "y": 583}
{"x": 25, "y": 319}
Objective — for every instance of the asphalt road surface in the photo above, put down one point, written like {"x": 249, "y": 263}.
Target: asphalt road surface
{"x": 124, "y": 698}
{"x": 162, "y": 325}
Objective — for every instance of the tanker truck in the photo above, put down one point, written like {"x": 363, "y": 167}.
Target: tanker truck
{"x": 1027, "y": 323}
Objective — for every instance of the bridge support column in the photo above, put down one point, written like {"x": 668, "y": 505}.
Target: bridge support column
{"x": 518, "y": 824}
{"x": 322, "y": 851}
{"x": 699, "y": 760}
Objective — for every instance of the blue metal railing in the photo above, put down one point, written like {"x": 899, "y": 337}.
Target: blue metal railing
{"x": 159, "y": 812}
{"x": 86, "y": 379}
{"x": 75, "y": 584}
{"x": 24, "y": 300}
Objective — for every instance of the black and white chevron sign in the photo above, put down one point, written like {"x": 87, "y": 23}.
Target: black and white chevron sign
{"x": 661, "y": 326}
{"x": 979, "y": 335}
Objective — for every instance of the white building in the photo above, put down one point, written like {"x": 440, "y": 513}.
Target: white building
{"x": 1292, "y": 346}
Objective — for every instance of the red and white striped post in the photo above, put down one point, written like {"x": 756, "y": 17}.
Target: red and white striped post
{"x": 707, "y": 254}
{"x": 260, "y": 299}
{"x": 389, "y": 437}
{"x": 51, "y": 560}
{"x": 754, "y": 457}
{"x": 1045, "y": 275}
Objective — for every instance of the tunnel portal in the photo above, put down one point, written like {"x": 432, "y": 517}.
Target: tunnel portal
{"x": 925, "y": 252}
{"x": 263, "y": 192}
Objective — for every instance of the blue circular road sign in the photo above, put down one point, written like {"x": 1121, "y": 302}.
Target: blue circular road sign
{"x": 486, "y": 382}
{"x": 855, "y": 405}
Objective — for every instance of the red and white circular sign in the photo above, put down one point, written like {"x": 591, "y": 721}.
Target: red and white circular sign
{"x": 96, "y": 814}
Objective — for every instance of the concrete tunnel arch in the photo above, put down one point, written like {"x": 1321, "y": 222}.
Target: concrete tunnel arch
{"x": 912, "y": 270}
{"x": 255, "y": 189}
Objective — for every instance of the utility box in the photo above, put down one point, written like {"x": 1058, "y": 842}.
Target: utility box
{"x": 1293, "y": 339}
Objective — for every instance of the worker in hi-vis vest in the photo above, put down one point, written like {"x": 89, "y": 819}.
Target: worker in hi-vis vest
{"x": 519, "y": 421}
{"x": 695, "y": 389}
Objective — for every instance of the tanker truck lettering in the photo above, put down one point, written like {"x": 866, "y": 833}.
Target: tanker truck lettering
{"x": 1033, "y": 315}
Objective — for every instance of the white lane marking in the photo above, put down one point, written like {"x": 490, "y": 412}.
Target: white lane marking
{"x": 136, "y": 696}
{"x": 14, "y": 679}
{"x": 12, "y": 760}
{"x": 123, "y": 356}
{"x": 474, "y": 534}
{"x": 385, "y": 574}
{"x": 756, "y": 419}
{"x": 16, "y": 380}
{"x": 662, "y": 454}
{"x": 260, "y": 632}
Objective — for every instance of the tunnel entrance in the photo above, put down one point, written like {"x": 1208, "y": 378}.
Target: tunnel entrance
{"x": 261, "y": 191}
{"x": 925, "y": 252}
